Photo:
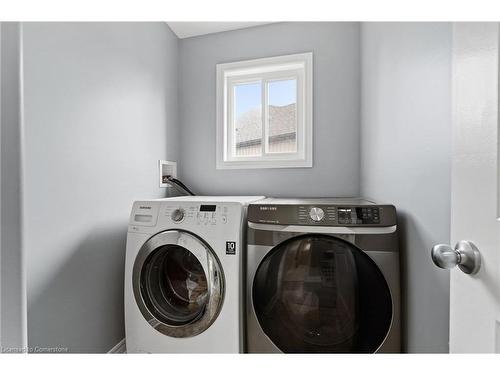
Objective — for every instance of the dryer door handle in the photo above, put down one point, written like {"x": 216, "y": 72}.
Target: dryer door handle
{"x": 322, "y": 229}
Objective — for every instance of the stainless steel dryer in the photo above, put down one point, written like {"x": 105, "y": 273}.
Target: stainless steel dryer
{"x": 322, "y": 277}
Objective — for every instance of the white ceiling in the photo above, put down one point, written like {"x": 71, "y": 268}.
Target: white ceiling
{"x": 189, "y": 29}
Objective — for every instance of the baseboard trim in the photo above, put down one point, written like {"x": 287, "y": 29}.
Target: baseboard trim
{"x": 119, "y": 348}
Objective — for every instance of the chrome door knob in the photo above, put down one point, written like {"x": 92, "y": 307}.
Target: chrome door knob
{"x": 316, "y": 214}
{"x": 465, "y": 255}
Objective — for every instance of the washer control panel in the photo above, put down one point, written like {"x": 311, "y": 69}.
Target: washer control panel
{"x": 323, "y": 214}
{"x": 200, "y": 214}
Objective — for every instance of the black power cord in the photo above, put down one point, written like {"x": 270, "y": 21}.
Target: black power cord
{"x": 179, "y": 185}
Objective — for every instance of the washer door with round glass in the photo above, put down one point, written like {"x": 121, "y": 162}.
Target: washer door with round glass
{"x": 321, "y": 294}
{"x": 178, "y": 283}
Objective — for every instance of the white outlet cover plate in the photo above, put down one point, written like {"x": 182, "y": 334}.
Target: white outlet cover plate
{"x": 166, "y": 167}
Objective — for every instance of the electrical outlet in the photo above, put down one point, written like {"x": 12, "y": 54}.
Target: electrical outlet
{"x": 166, "y": 168}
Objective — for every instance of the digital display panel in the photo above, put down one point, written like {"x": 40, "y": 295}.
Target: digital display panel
{"x": 208, "y": 208}
{"x": 143, "y": 218}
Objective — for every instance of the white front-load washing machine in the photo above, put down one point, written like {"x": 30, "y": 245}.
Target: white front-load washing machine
{"x": 184, "y": 275}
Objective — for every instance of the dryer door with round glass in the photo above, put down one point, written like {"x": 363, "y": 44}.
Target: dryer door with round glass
{"x": 320, "y": 294}
{"x": 178, "y": 283}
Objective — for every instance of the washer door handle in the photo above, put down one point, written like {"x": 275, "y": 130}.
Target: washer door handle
{"x": 465, "y": 255}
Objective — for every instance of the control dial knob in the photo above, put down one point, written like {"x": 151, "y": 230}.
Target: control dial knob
{"x": 316, "y": 214}
{"x": 178, "y": 215}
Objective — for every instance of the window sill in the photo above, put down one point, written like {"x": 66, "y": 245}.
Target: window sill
{"x": 265, "y": 164}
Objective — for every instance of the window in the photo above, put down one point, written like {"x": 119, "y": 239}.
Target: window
{"x": 264, "y": 113}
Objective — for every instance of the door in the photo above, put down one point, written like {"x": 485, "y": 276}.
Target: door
{"x": 178, "y": 283}
{"x": 316, "y": 293}
{"x": 474, "y": 298}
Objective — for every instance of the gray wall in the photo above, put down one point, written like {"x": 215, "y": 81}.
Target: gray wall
{"x": 100, "y": 109}
{"x": 386, "y": 83}
{"x": 405, "y": 159}
{"x": 12, "y": 280}
{"x": 336, "y": 109}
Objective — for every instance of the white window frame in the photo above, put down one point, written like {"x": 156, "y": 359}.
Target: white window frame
{"x": 297, "y": 66}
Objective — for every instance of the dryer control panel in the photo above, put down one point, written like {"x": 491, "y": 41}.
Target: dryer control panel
{"x": 316, "y": 213}
{"x": 359, "y": 215}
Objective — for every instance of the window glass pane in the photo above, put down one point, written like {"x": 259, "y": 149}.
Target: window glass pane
{"x": 282, "y": 106}
{"x": 248, "y": 119}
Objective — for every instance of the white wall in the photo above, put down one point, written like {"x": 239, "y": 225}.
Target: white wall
{"x": 100, "y": 109}
{"x": 405, "y": 159}
{"x": 336, "y": 109}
